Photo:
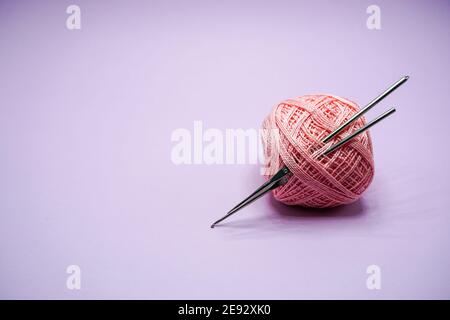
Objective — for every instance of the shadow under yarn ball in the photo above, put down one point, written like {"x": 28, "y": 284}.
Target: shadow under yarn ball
{"x": 327, "y": 181}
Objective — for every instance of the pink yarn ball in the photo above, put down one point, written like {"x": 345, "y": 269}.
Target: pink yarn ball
{"x": 327, "y": 181}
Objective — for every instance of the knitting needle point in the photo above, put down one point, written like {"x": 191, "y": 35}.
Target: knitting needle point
{"x": 273, "y": 183}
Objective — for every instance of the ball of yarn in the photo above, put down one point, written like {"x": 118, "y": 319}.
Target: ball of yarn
{"x": 318, "y": 181}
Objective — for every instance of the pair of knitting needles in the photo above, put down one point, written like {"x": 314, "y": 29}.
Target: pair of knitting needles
{"x": 280, "y": 177}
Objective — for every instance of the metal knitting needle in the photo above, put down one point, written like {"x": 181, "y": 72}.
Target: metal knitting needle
{"x": 366, "y": 108}
{"x": 360, "y": 130}
{"x": 280, "y": 177}
{"x": 273, "y": 183}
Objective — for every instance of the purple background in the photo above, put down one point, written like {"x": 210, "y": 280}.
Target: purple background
{"x": 86, "y": 176}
